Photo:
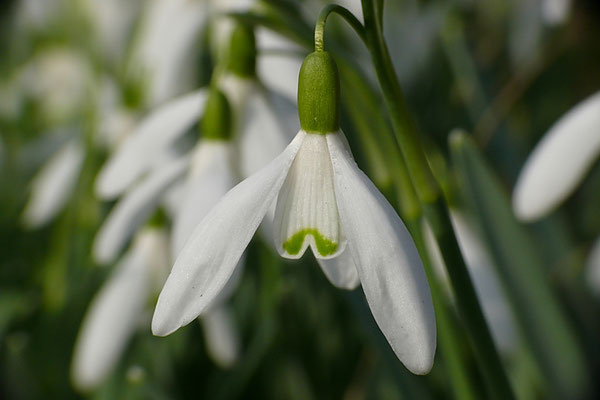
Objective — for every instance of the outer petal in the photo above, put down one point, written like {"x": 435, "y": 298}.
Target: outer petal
{"x": 390, "y": 270}
{"x": 151, "y": 138}
{"x": 559, "y": 162}
{"x": 111, "y": 320}
{"x": 210, "y": 179}
{"x": 208, "y": 260}
{"x": 341, "y": 270}
{"x": 167, "y": 42}
{"x": 220, "y": 336}
{"x": 53, "y": 185}
{"x": 133, "y": 210}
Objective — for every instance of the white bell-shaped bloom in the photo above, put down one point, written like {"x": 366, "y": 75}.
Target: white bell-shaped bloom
{"x": 338, "y": 211}
{"x": 494, "y": 303}
{"x": 115, "y": 312}
{"x": 53, "y": 185}
{"x": 559, "y": 162}
{"x": 592, "y": 268}
{"x": 149, "y": 140}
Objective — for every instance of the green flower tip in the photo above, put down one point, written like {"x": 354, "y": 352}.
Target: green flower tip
{"x": 325, "y": 247}
{"x": 217, "y": 120}
{"x": 319, "y": 94}
{"x": 242, "y": 52}
{"x": 159, "y": 219}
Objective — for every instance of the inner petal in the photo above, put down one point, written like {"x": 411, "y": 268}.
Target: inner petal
{"x": 306, "y": 213}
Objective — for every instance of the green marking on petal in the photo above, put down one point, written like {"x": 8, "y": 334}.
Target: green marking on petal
{"x": 325, "y": 247}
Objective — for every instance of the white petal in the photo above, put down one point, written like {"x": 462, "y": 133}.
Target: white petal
{"x": 221, "y": 338}
{"x": 134, "y": 209}
{"x": 111, "y": 320}
{"x": 210, "y": 178}
{"x": 341, "y": 270}
{"x": 306, "y": 213}
{"x": 559, "y": 162}
{"x": 53, "y": 185}
{"x": 208, "y": 260}
{"x": 389, "y": 266}
{"x": 149, "y": 139}
{"x": 263, "y": 130}
{"x": 592, "y": 268}
{"x": 167, "y": 41}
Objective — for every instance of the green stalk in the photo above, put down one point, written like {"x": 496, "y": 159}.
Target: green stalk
{"x": 435, "y": 208}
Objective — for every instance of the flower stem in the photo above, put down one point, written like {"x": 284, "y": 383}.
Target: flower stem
{"x": 435, "y": 208}
{"x": 344, "y": 13}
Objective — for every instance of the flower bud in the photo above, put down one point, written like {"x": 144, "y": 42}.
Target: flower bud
{"x": 241, "y": 59}
{"x": 217, "y": 120}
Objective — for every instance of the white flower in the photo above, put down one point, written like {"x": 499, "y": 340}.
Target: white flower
{"x": 326, "y": 202}
{"x": 117, "y": 310}
{"x": 53, "y": 185}
{"x": 149, "y": 140}
{"x": 559, "y": 162}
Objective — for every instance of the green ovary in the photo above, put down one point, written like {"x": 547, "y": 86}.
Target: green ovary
{"x": 325, "y": 247}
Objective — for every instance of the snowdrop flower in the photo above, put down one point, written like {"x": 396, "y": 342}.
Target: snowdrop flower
{"x": 117, "y": 310}
{"x": 559, "y": 162}
{"x": 256, "y": 124}
{"x": 53, "y": 185}
{"x": 494, "y": 303}
{"x": 325, "y": 202}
